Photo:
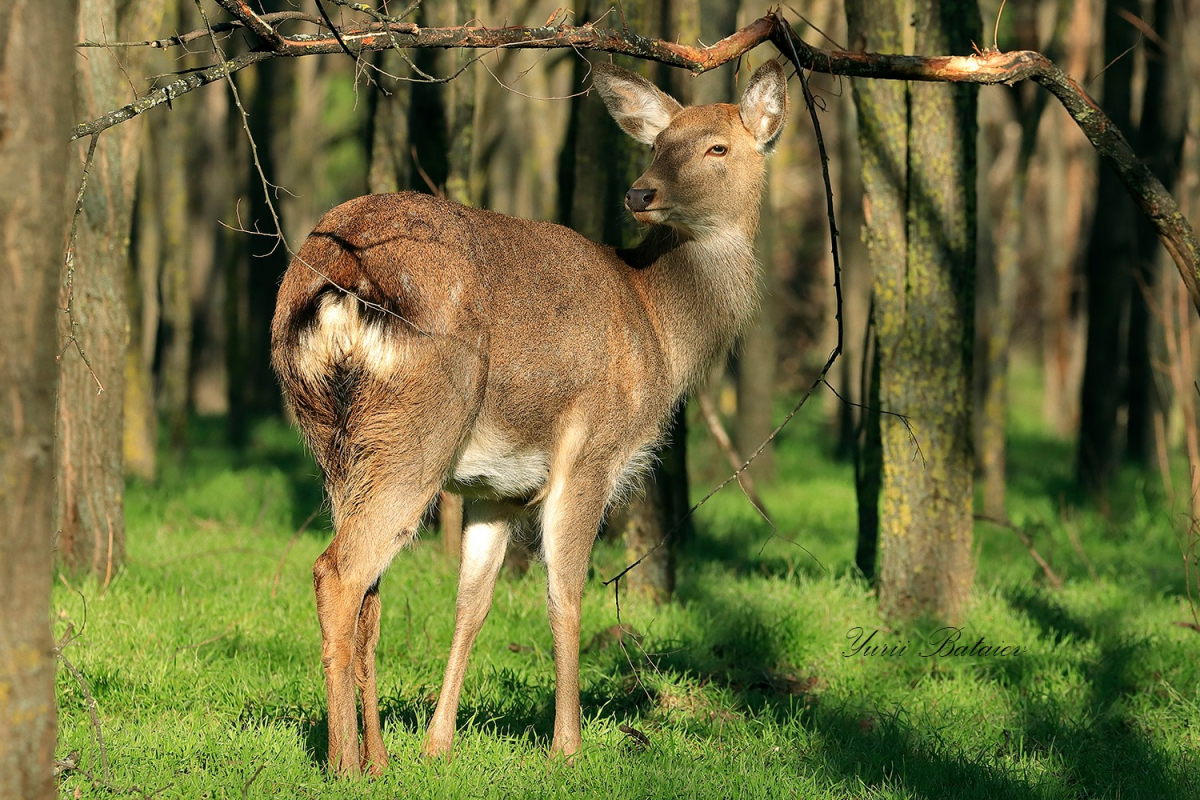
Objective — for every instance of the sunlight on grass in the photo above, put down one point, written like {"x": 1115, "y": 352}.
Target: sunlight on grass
{"x": 207, "y": 676}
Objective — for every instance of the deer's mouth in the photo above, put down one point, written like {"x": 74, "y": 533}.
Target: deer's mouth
{"x": 652, "y": 215}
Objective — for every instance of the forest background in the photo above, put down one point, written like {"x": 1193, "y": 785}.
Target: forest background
{"x": 1077, "y": 313}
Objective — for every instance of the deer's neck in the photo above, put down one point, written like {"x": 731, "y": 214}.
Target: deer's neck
{"x": 700, "y": 293}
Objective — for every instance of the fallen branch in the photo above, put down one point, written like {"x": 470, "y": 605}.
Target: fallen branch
{"x": 721, "y": 437}
{"x": 1051, "y": 576}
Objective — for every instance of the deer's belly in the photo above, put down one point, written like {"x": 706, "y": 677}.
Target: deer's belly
{"x": 491, "y": 465}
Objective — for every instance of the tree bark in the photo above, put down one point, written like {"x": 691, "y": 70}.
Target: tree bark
{"x": 921, "y": 223}
{"x": 1001, "y": 266}
{"x": 36, "y": 76}
{"x": 856, "y": 286}
{"x": 90, "y": 440}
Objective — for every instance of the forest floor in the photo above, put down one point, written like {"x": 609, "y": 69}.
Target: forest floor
{"x": 203, "y": 655}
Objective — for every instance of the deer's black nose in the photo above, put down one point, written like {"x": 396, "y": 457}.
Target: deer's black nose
{"x": 639, "y": 199}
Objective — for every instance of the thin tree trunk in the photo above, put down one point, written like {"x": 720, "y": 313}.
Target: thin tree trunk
{"x": 90, "y": 439}
{"x": 390, "y": 161}
{"x": 757, "y": 357}
{"x": 141, "y": 418}
{"x": 1163, "y": 124}
{"x": 213, "y": 169}
{"x": 856, "y": 285}
{"x": 464, "y": 185}
{"x": 1003, "y": 270}
{"x": 259, "y": 264}
{"x": 654, "y": 515}
{"x": 36, "y": 79}
{"x": 1111, "y": 258}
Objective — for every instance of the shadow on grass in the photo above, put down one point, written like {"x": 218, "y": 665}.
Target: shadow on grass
{"x": 1055, "y": 748}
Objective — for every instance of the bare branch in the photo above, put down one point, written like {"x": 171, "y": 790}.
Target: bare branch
{"x": 988, "y": 67}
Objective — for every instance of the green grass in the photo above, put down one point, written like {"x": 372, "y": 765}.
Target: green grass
{"x": 208, "y": 682}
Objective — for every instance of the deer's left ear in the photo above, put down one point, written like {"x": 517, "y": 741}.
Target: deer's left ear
{"x": 764, "y": 105}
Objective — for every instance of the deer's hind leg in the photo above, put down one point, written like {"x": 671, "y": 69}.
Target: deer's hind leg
{"x": 397, "y": 466}
{"x": 373, "y": 757}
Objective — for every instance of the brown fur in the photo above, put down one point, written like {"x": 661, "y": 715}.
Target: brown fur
{"x": 424, "y": 345}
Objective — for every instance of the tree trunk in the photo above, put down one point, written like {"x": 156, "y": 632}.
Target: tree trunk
{"x": 883, "y": 146}
{"x": 1163, "y": 124}
{"x": 388, "y": 145}
{"x": 757, "y": 357}
{"x": 141, "y": 418}
{"x": 654, "y": 514}
{"x": 90, "y": 439}
{"x": 464, "y": 185}
{"x": 1002, "y": 268}
{"x": 856, "y": 287}
{"x": 259, "y": 263}
{"x": 923, "y": 254}
{"x": 1111, "y": 258}
{"x": 213, "y": 167}
{"x": 36, "y": 76}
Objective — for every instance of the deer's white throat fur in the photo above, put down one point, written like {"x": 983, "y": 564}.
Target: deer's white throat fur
{"x": 702, "y": 294}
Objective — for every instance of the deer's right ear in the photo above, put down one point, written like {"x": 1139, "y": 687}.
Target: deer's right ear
{"x": 635, "y": 103}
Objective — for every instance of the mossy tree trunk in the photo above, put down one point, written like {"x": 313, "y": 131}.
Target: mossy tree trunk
{"x": 918, "y": 149}
{"x": 882, "y": 109}
{"x": 36, "y": 76}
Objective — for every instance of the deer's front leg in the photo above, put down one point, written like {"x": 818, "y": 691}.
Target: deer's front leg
{"x": 485, "y": 537}
{"x": 570, "y": 520}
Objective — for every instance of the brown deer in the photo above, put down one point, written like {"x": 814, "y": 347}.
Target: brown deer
{"x": 425, "y": 345}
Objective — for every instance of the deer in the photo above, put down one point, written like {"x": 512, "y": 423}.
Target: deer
{"x": 426, "y": 346}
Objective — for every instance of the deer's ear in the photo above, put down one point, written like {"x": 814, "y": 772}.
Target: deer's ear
{"x": 635, "y": 103}
{"x": 764, "y": 105}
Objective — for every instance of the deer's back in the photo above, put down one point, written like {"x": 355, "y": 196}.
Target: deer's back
{"x": 550, "y": 322}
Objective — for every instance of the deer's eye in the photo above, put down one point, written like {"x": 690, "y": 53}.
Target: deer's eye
{"x": 717, "y": 150}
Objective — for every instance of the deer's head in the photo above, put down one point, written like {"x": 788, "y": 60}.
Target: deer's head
{"x": 708, "y": 160}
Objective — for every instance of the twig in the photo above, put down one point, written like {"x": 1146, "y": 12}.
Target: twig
{"x": 1055, "y": 581}
{"x": 721, "y": 437}
{"x": 90, "y": 701}
{"x": 253, "y": 778}
{"x": 69, "y": 262}
{"x": 641, "y": 740}
{"x": 228, "y": 630}
{"x": 220, "y": 27}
